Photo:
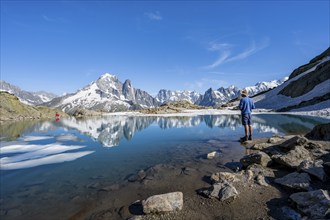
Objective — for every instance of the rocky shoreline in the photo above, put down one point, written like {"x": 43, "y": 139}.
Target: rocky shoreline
{"x": 279, "y": 178}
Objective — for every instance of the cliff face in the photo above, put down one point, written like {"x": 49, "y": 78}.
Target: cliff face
{"x": 308, "y": 88}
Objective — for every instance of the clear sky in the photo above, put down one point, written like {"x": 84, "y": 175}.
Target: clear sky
{"x": 61, "y": 46}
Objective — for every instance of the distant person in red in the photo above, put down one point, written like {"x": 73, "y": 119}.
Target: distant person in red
{"x": 57, "y": 116}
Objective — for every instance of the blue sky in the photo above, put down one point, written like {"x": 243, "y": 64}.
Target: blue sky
{"x": 61, "y": 46}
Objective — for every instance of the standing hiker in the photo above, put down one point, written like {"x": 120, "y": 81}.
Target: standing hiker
{"x": 246, "y": 105}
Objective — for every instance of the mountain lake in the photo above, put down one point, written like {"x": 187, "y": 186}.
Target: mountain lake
{"x": 47, "y": 165}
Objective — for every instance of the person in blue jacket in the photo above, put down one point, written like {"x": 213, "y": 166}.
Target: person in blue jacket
{"x": 246, "y": 105}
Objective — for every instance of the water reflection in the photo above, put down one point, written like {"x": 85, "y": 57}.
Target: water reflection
{"x": 110, "y": 130}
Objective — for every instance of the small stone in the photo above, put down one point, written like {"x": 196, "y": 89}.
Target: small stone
{"x": 211, "y": 155}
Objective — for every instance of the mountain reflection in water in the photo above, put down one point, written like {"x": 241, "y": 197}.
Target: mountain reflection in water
{"x": 110, "y": 130}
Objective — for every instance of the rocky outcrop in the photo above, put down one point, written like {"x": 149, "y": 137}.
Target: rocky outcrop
{"x": 320, "y": 132}
{"x": 306, "y": 90}
{"x": 163, "y": 203}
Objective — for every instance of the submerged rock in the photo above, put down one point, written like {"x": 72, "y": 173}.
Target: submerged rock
{"x": 295, "y": 180}
{"x": 163, "y": 203}
{"x": 212, "y": 155}
{"x": 315, "y": 204}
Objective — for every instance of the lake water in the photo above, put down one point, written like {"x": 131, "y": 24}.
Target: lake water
{"x": 46, "y": 166}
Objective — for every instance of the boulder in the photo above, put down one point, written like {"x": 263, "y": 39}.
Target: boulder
{"x": 320, "y": 132}
{"x": 313, "y": 168}
{"x": 163, "y": 203}
{"x": 293, "y": 158}
{"x": 295, "y": 180}
{"x": 295, "y": 141}
{"x": 314, "y": 204}
{"x": 258, "y": 158}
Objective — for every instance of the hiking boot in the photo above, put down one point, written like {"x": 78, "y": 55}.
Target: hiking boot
{"x": 250, "y": 138}
{"x": 243, "y": 139}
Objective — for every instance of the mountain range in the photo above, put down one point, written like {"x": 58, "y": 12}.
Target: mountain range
{"x": 108, "y": 94}
{"x": 29, "y": 98}
{"x": 307, "y": 88}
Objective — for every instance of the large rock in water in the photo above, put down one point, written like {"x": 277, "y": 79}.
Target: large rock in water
{"x": 320, "y": 132}
{"x": 163, "y": 203}
{"x": 315, "y": 204}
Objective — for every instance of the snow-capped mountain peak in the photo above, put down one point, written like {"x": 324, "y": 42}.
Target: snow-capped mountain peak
{"x": 107, "y": 94}
{"x": 30, "y": 98}
{"x": 165, "y": 96}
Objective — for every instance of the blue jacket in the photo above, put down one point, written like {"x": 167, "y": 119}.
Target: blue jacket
{"x": 246, "y": 105}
